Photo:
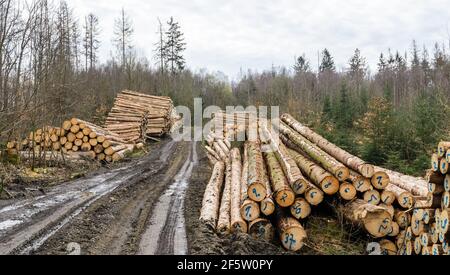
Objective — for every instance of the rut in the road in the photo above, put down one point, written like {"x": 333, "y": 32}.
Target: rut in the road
{"x": 166, "y": 233}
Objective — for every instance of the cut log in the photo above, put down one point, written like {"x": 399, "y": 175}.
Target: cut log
{"x": 262, "y": 229}
{"x": 340, "y": 171}
{"x": 443, "y": 146}
{"x": 283, "y": 194}
{"x": 256, "y": 186}
{"x": 388, "y": 197}
{"x": 395, "y": 230}
{"x": 237, "y": 223}
{"x": 388, "y": 247}
{"x": 404, "y": 198}
{"x": 416, "y": 186}
{"x": 344, "y": 157}
{"x": 291, "y": 232}
{"x": 211, "y": 200}
{"x": 376, "y": 220}
{"x": 361, "y": 183}
{"x": 301, "y": 209}
{"x": 402, "y": 218}
{"x": 347, "y": 191}
{"x": 443, "y": 166}
{"x": 372, "y": 197}
{"x": 314, "y": 195}
{"x": 434, "y": 177}
{"x": 435, "y": 160}
{"x": 224, "y": 222}
{"x": 295, "y": 178}
{"x": 380, "y": 180}
{"x": 319, "y": 176}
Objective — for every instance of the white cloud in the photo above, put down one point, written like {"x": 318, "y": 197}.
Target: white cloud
{"x": 229, "y": 35}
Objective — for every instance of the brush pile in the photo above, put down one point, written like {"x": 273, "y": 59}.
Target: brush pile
{"x": 284, "y": 169}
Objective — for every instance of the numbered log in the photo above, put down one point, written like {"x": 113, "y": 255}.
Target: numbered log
{"x": 224, "y": 222}
{"x": 372, "y": 197}
{"x": 283, "y": 194}
{"x": 237, "y": 222}
{"x": 256, "y": 186}
{"x": 291, "y": 232}
{"x": 319, "y": 176}
{"x": 211, "y": 199}
{"x": 388, "y": 247}
{"x": 301, "y": 209}
{"x": 347, "y": 191}
{"x": 262, "y": 229}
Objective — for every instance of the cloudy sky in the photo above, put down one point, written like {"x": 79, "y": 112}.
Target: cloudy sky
{"x": 254, "y": 34}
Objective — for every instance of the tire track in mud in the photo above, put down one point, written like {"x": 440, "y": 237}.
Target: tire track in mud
{"x": 27, "y": 224}
{"x": 166, "y": 232}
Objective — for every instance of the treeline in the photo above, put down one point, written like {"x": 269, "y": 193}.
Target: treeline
{"x": 50, "y": 69}
{"x": 393, "y": 118}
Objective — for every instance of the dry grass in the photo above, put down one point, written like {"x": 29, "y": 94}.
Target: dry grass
{"x": 327, "y": 236}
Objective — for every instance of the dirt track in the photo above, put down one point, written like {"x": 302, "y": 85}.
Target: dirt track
{"x": 146, "y": 206}
{"x": 105, "y": 213}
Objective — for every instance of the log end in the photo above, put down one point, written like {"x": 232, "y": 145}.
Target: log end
{"x": 267, "y": 206}
{"x": 367, "y": 170}
{"x": 250, "y": 210}
{"x": 257, "y": 191}
{"x": 330, "y": 185}
{"x": 239, "y": 227}
{"x": 380, "y": 180}
{"x": 342, "y": 173}
{"x": 347, "y": 191}
{"x": 292, "y": 238}
{"x": 314, "y": 196}
{"x": 284, "y": 198}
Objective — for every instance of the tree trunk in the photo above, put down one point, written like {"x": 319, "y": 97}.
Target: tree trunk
{"x": 224, "y": 222}
{"x": 283, "y": 194}
{"x": 262, "y": 229}
{"x": 298, "y": 142}
{"x": 344, "y": 157}
{"x": 301, "y": 209}
{"x": 376, "y": 220}
{"x": 237, "y": 222}
{"x": 211, "y": 200}
{"x": 291, "y": 232}
{"x": 319, "y": 176}
{"x": 256, "y": 185}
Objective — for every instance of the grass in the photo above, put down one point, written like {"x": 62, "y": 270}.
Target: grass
{"x": 327, "y": 236}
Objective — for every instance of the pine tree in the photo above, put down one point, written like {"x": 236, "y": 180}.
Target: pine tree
{"x": 327, "y": 62}
{"x": 415, "y": 61}
{"x": 301, "y": 65}
{"x": 175, "y": 47}
{"x": 382, "y": 64}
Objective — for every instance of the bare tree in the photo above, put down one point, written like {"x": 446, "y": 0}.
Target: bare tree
{"x": 90, "y": 42}
{"x": 123, "y": 31}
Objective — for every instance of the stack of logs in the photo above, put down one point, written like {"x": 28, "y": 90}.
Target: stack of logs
{"x": 76, "y": 139}
{"x": 433, "y": 223}
{"x": 289, "y": 169}
{"x": 137, "y": 117}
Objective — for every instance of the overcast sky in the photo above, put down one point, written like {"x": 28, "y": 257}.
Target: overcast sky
{"x": 254, "y": 34}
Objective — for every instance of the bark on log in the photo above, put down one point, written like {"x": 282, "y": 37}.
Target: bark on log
{"x": 237, "y": 222}
{"x": 404, "y": 198}
{"x": 291, "y": 232}
{"x": 376, "y": 220}
{"x": 211, "y": 200}
{"x": 256, "y": 186}
{"x": 340, "y": 171}
{"x": 344, "y": 157}
{"x": 224, "y": 222}
{"x": 283, "y": 194}
{"x": 262, "y": 229}
{"x": 319, "y": 176}
{"x": 301, "y": 209}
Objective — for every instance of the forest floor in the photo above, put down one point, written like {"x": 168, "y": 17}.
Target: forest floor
{"x": 147, "y": 205}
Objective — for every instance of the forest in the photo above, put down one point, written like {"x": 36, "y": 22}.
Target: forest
{"x": 50, "y": 70}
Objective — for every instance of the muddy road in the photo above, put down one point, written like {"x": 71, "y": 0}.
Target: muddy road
{"x": 133, "y": 209}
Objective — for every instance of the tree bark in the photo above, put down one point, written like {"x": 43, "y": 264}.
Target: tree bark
{"x": 211, "y": 200}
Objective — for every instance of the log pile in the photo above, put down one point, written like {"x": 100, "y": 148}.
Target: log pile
{"x": 137, "y": 117}
{"x": 288, "y": 170}
{"x": 75, "y": 139}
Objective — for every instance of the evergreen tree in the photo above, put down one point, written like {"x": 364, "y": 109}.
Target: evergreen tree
{"x": 358, "y": 66}
{"x": 415, "y": 61}
{"x": 301, "y": 65}
{"x": 327, "y": 62}
{"x": 382, "y": 64}
{"x": 175, "y": 46}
